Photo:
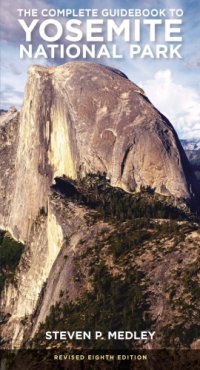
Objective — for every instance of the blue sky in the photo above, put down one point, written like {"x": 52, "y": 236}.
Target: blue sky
{"x": 172, "y": 85}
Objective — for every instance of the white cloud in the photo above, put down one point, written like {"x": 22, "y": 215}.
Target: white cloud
{"x": 10, "y": 30}
{"x": 178, "y": 103}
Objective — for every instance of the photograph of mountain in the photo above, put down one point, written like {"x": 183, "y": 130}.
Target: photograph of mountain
{"x": 99, "y": 185}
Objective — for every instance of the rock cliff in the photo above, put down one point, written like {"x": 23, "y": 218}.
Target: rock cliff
{"x": 76, "y": 119}
{"x": 83, "y": 117}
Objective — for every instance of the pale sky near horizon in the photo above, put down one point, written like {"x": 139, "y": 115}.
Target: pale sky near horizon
{"x": 173, "y": 85}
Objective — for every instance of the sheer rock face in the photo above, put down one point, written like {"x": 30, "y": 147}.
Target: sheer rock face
{"x": 83, "y": 117}
{"x": 76, "y": 118}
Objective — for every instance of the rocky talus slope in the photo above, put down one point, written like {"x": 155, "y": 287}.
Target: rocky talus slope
{"x": 78, "y": 119}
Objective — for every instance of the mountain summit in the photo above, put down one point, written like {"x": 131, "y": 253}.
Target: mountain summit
{"x": 91, "y": 118}
{"x": 81, "y": 118}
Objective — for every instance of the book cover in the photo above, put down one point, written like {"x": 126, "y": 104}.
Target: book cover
{"x": 99, "y": 185}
